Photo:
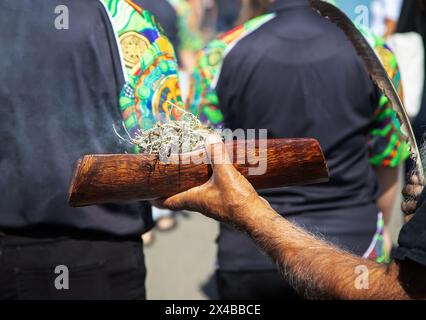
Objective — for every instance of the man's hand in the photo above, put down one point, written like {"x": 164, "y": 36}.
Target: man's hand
{"x": 225, "y": 197}
{"x": 310, "y": 265}
{"x": 411, "y": 194}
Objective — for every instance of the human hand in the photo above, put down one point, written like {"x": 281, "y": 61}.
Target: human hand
{"x": 226, "y": 197}
{"x": 411, "y": 193}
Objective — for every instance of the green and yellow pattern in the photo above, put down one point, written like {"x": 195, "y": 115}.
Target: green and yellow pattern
{"x": 151, "y": 67}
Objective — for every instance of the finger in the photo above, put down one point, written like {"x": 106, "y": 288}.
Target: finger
{"x": 218, "y": 157}
{"x": 415, "y": 179}
{"x": 186, "y": 200}
{"x": 158, "y": 203}
{"x": 412, "y": 191}
{"x": 408, "y": 218}
{"x": 213, "y": 139}
{"x": 216, "y": 151}
{"x": 409, "y": 207}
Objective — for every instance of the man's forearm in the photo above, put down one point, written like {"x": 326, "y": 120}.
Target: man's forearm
{"x": 315, "y": 268}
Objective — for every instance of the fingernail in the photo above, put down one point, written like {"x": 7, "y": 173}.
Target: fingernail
{"x": 213, "y": 139}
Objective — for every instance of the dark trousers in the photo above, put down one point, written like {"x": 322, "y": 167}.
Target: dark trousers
{"x": 253, "y": 285}
{"x": 71, "y": 268}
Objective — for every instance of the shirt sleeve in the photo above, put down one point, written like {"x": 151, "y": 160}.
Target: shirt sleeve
{"x": 386, "y": 141}
{"x": 412, "y": 239}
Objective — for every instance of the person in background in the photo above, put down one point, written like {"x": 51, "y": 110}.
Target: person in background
{"x": 413, "y": 19}
{"x": 84, "y": 82}
{"x": 385, "y": 14}
{"x": 190, "y": 14}
{"x": 365, "y": 132}
{"x": 209, "y": 21}
{"x": 227, "y": 14}
{"x": 251, "y": 9}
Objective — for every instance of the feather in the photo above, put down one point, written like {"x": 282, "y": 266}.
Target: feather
{"x": 376, "y": 71}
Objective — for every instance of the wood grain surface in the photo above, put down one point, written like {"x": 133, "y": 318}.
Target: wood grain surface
{"x": 127, "y": 177}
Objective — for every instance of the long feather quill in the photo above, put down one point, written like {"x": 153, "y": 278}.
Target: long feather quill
{"x": 376, "y": 71}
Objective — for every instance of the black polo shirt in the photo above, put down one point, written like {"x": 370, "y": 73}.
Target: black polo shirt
{"x": 58, "y": 101}
{"x": 413, "y": 19}
{"x": 298, "y": 76}
{"x": 412, "y": 239}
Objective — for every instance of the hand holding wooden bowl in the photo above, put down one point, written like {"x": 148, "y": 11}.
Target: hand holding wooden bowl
{"x": 117, "y": 178}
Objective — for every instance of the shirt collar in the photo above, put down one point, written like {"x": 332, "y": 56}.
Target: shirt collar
{"x": 280, "y": 5}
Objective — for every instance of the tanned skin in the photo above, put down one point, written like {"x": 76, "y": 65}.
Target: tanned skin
{"x": 313, "y": 267}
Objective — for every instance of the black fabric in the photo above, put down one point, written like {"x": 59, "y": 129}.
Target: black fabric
{"x": 59, "y": 100}
{"x": 420, "y": 120}
{"x": 412, "y": 239}
{"x": 280, "y": 5}
{"x": 97, "y": 269}
{"x": 166, "y": 15}
{"x": 259, "y": 285}
{"x": 413, "y": 19}
{"x": 298, "y": 76}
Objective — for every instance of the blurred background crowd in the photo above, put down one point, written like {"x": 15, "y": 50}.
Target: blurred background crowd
{"x": 181, "y": 250}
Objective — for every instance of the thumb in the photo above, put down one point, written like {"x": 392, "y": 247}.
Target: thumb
{"x": 182, "y": 201}
{"x": 218, "y": 156}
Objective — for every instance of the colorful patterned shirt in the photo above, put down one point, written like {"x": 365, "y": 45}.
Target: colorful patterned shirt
{"x": 151, "y": 67}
